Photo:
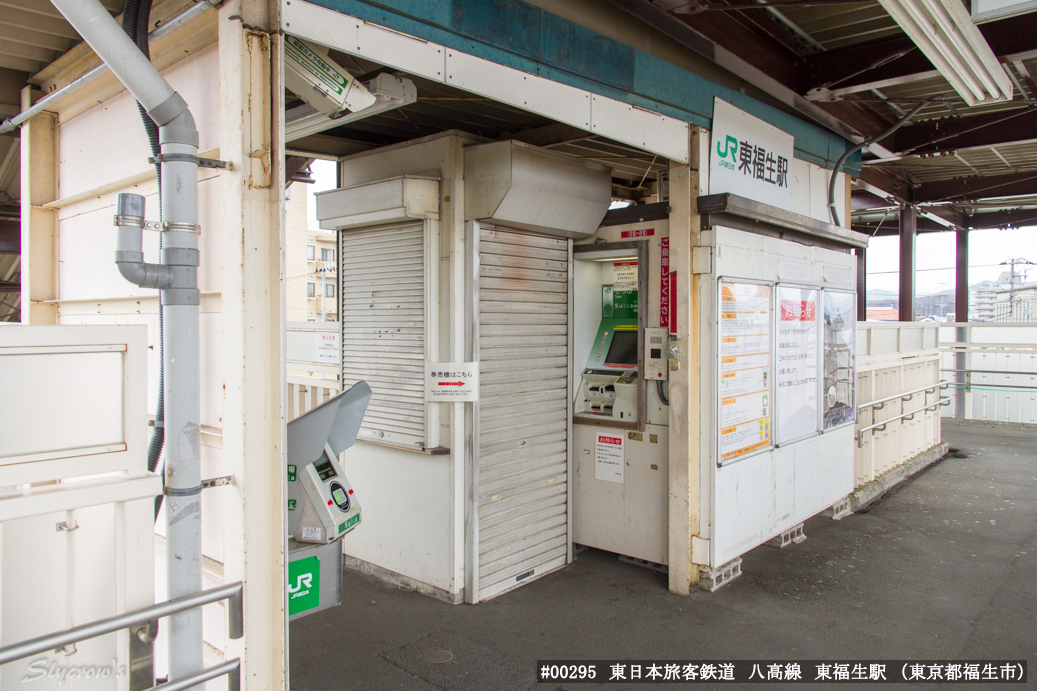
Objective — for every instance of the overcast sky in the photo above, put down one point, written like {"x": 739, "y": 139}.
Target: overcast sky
{"x": 934, "y": 258}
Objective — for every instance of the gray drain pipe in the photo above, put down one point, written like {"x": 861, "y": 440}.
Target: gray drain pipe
{"x": 176, "y": 276}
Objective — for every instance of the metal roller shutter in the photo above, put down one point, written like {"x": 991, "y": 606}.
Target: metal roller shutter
{"x": 383, "y": 275}
{"x": 524, "y": 407}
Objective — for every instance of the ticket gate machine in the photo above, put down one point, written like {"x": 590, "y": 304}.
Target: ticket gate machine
{"x": 322, "y": 506}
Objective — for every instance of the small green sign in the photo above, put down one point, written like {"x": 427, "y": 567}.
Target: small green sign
{"x": 303, "y": 585}
{"x": 349, "y": 523}
{"x": 291, "y": 473}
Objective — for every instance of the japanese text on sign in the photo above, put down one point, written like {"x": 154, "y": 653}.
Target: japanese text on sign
{"x": 745, "y": 368}
{"x": 750, "y": 157}
{"x": 609, "y": 458}
{"x": 451, "y": 381}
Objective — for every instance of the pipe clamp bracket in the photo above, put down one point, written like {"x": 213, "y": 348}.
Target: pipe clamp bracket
{"x": 182, "y": 492}
{"x": 126, "y": 220}
{"x": 189, "y": 158}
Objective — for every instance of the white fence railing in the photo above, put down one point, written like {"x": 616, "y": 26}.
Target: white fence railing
{"x": 898, "y": 395}
{"x": 992, "y": 369}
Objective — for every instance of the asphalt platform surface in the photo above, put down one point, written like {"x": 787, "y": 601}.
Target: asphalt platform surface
{"x": 943, "y": 567}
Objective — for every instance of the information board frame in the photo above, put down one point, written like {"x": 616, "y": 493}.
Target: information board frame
{"x": 758, "y": 450}
{"x": 852, "y": 419}
{"x": 818, "y": 354}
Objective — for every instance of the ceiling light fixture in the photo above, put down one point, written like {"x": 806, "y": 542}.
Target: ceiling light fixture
{"x": 390, "y": 92}
{"x": 944, "y": 32}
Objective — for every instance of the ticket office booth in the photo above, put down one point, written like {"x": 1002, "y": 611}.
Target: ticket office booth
{"x": 454, "y": 249}
{"x": 621, "y": 405}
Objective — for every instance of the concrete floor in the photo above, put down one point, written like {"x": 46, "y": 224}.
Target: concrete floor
{"x": 944, "y": 567}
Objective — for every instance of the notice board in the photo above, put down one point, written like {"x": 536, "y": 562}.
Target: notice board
{"x": 796, "y": 366}
{"x": 744, "y": 386}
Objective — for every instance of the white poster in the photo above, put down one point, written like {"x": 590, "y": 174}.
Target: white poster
{"x": 745, "y": 367}
{"x": 796, "y": 367}
{"x": 452, "y": 381}
{"x": 749, "y": 157}
{"x": 608, "y": 458}
{"x": 327, "y": 349}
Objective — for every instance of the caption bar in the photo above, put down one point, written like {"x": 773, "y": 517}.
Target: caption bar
{"x": 784, "y": 672}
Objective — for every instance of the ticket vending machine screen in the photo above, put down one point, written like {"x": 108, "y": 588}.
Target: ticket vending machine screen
{"x": 623, "y": 350}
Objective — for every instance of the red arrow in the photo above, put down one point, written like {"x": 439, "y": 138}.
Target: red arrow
{"x": 451, "y": 383}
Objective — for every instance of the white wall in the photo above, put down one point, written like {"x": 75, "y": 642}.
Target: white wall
{"x": 104, "y": 151}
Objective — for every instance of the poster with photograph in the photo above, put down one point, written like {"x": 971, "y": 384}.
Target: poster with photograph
{"x": 796, "y": 372}
{"x": 840, "y": 359}
{"x": 745, "y": 368}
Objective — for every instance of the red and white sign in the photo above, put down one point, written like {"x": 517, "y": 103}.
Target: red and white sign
{"x": 673, "y": 302}
{"x": 327, "y": 347}
{"x": 608, "y": 458}
{"x": 796, "y": 371}
{"x": 664, "y": 282}
{"x": 798, "y": 310}
{"x": 639, "y": 233}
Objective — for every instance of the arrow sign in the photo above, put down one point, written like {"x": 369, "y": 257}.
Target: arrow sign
{"x": 455, "y": 382}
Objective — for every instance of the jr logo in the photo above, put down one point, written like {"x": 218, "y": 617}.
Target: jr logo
{"x": 730, "y": 147}
{"x": 305, "y": 580}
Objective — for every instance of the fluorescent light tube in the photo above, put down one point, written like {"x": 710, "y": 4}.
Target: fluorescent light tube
{"x": 944, "y": 32}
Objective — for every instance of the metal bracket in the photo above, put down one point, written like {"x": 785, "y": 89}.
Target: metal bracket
{"x": 182, "y": 492}
{"x": 147, "y": 632}
{"x": 188, "y": 158}
{"x": 161, "y": 226}
{"x": 63, "y": 527}
{"x": 217, "y": 482}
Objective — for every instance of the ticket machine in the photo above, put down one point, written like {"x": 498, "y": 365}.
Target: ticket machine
{"x": 620, "y": 406}
{"x": 322, "y": 506}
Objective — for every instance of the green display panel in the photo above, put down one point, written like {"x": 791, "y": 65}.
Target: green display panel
{"x": 618, "y": 304}
{"x": 303, "y": 585}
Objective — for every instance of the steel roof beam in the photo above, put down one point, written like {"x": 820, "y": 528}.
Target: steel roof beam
{"x": 760, "y": 61}
{"x": 954, "y": 134}
{"x": 838, "y": 72}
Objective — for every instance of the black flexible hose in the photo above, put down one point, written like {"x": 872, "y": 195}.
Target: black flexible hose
{"x": 135, "y": 17}
{"x": 850, "y": 151}
{"x": 659, "y": 390}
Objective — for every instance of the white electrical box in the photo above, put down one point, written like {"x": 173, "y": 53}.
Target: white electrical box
{"x": 656, "y": 364}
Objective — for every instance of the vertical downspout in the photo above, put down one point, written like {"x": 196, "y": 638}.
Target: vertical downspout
{"x": 178, "y": 137}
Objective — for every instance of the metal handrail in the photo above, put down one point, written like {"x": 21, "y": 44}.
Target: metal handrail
{"x": 880, "y": 426}
{"x": 907, "y": 394}
{"x": 230, "y": 667}
{"x": 53, "y": 641}
{"x": 987, "y": 371}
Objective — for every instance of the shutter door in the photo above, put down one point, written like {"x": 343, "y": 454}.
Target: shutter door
{"x": 383, "y": 328}
{"x": 524, "y": 407}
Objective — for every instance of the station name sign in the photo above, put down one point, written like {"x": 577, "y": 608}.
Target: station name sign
{"x": 749, "y": 157}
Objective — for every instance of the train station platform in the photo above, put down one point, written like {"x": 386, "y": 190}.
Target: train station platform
{"x": 941, "y": 567}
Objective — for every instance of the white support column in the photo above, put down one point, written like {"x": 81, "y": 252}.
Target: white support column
{"x": 684, "y": 400}
{"x": 252, "y": 194}
{"x": 39, "y": 170}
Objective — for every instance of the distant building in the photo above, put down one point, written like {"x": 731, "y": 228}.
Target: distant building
{"x": 982, "y": 301}
{"x": 883, "y": 314}
{"x": 310, "y": 264}
{"x": 1016, "y": 305}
